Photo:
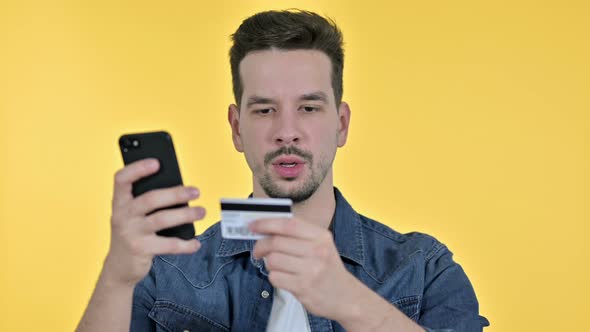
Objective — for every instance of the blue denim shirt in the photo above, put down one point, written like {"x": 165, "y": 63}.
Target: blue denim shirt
{"x": 222, "y": 287}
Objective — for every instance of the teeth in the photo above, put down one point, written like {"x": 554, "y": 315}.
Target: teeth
{"x": 288, "y": 165}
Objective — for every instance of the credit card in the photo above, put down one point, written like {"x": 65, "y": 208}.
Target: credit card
{"x": 238, "y": 213}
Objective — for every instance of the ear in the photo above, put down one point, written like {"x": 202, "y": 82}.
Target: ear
{"x": 233, "y": 117}
{"x": 343, "y": 123}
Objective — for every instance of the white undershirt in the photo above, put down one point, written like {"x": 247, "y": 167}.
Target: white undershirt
{"x": 287, "y": 314}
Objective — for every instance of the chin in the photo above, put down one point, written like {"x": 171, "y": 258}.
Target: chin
{"x": 294, "y": 189}
{"x": 287, "y": 187}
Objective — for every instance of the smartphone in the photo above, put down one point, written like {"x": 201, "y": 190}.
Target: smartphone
{"x": 157, "y": 145}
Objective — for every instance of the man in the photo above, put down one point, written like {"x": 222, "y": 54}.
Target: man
{"x": 326, "y": 269}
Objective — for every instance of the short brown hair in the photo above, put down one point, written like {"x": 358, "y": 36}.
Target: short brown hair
{"x": 287, "y": 30}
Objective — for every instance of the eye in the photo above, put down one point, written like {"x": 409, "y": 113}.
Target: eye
{"x": 310, "y": 109}
{"x": 264, "y": 111}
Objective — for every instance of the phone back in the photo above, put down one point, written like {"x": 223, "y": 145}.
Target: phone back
{"x": 157, "y": 145}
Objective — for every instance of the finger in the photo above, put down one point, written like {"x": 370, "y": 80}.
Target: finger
{"x": 277, "y": 261}
{"x": 292, "y": 227}
{"x": 160, "y": 245}
{"x": 160, "y": 198}
{"x": 277, "y": 243}
{"x": 125, "y": 177}
{"x": 172, "y": 217}
{"x": 284, "y": 280}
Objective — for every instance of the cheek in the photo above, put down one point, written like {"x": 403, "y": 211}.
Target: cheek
{"x": 252, "y": 159}
{"x": 253, "y": 142}
{"x": 326, "y": 137}
{"x": 247, "y": 135}
{"x": 253, "y": 147}
{"x": 252, "y": 132}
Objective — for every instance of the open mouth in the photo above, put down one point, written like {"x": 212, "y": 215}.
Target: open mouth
{"x": 288, "y": 165}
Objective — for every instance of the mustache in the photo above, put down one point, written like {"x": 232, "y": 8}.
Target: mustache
{"x": 288, "y": 150}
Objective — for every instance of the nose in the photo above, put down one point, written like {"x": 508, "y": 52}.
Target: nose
{"x": 287, "y": 130}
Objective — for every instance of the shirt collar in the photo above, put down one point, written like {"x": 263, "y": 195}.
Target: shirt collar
{"x": 346, "y": 228}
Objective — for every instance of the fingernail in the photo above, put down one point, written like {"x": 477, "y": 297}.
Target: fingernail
{"x": 194, "y": 192}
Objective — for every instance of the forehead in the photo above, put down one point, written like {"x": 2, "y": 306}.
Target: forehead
{"x": 285, "y": 73}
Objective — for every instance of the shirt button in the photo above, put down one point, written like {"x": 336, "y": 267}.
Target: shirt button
{"x": 265, "y": 294}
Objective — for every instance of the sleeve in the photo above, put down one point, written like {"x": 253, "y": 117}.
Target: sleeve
{"x": 143, "y": 301}
{"x": 449, "y": 302}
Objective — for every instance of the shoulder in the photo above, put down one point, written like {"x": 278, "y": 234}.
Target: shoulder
{"x": 388, "y": 252}
{"x": 404, "y": 243}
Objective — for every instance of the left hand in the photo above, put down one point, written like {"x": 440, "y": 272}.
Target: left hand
{"x": 302, "y": 258}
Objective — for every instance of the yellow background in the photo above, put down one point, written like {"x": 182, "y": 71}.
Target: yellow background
{"x": 469, "y": 122}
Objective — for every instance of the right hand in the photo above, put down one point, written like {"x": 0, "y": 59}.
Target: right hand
{"x": 134, "y": 242}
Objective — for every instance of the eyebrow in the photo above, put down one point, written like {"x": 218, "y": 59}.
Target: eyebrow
{"x": 318, "y": 95}
{"x": 253, "y": 100}
{"x": 313, "y": 96}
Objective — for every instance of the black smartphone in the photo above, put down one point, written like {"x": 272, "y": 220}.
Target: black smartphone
{"x": 156, "y": 145}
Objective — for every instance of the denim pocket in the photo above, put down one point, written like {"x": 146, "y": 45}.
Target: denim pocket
{"x": 172, "y": 317}
{"x": 409, "y": 305}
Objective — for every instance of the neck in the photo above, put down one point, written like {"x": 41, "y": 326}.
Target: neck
{"x": 317, "y": 209}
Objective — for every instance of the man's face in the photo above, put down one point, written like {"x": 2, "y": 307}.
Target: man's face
{"x": 288, "y": 125}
